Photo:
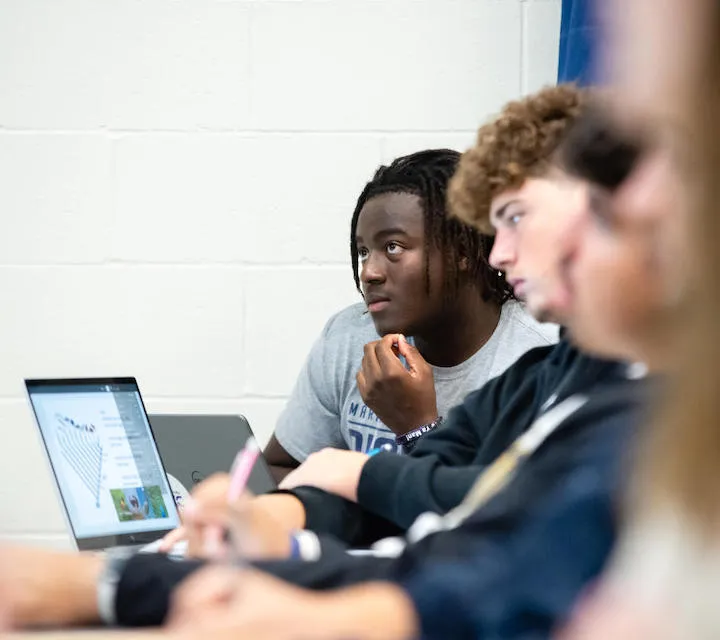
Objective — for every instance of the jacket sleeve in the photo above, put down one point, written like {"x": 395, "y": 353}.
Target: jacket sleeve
{"x": 146, "y": 584}
{"x": 442, "y": 467}
{"x": 148, "y": 580}
{"x": 331, "y": 515}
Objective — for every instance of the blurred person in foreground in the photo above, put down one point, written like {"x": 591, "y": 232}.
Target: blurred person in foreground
{"x": 663, "y": 581}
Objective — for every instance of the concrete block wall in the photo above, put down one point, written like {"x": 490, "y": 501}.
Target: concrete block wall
{"x": 177, "y": 178}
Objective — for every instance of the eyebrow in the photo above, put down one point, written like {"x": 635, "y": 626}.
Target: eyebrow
{"x": 499, "y": 214}
{"x": 393, "y": 231}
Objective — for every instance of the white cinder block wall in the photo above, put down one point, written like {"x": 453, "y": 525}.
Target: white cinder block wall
{"x": 177, "y": 179}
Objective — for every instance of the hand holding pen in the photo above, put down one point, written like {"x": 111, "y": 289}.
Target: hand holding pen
{"x": 214, "y": 546}
{"x": 221, "y": 503}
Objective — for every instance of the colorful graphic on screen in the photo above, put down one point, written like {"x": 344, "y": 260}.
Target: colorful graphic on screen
{"x": 140, "y": 503}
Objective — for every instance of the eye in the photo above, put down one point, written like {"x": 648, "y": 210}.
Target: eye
{"x": 513, "y": 219}
{"x": 393, "y": 248}
{"x": 363, "y": 254}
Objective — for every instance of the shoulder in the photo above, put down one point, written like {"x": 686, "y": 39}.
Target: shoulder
{"x": 352, "y": 322}
{"x": 340, "y": 346}
{"x": 521, "y": 372}
{"x": 519, "y": 323}
{"x": 605, "y": 428}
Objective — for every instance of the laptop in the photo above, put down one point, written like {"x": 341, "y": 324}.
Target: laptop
{"x": 194, "y": 447}
{"x": 105, "y": 461}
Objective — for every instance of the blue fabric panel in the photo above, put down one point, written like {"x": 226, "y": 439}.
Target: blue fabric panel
{"x": 579, "y": 37}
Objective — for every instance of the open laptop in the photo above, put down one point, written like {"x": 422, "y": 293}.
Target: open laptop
{"x": 194, "y": 447}
{"x": 106, "y": 464}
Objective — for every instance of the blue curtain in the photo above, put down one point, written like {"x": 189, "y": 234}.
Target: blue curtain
{"x": 579, "y": 36}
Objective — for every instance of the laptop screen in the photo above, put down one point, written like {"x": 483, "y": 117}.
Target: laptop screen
{"x": 104, "y": 457}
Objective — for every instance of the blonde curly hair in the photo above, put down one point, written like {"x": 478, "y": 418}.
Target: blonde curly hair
{"x": 519, "y": 143}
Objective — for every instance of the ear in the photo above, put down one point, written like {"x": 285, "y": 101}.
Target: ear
{"x": 464, "y": 264}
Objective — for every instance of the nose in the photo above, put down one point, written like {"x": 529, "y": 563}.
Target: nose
{"x": 503, "y": 251}
{"x": 373, "y": 271}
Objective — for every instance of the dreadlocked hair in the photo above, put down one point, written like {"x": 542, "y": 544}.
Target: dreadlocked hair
{"x": 427, "y": 174}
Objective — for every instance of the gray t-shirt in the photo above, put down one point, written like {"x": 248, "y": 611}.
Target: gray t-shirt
{"x": 327, "y": 410}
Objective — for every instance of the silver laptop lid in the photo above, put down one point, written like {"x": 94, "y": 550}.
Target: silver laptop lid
{"x": 105, "y": 461}
{"x": 193, "y": 447}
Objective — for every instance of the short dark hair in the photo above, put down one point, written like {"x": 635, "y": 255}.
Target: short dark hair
{"x": 427, "y": 174}
{"x": 596, "y": 149}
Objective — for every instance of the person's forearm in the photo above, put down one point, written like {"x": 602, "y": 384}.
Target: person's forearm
{"x": 373, "y": 611}
{"x": 69, "y": 594}
{"x": 280, "y": 461}
{"x": 84, "y": 585}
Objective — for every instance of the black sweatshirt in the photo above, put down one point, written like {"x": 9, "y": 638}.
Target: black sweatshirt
{"x": 395, "y": 489}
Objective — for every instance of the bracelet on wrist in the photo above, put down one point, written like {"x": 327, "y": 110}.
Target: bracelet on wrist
{"x": 409, "y": 438}
{"x": 294, "y": 547}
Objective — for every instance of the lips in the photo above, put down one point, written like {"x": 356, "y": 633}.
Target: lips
{"x": 518, "y": 285}
{"x": 376, "y": 303}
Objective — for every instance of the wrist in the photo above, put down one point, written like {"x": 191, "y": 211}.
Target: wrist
{"x": 408, "y": 439}
{"x": 107, "y": 582}
{"x": 348, "y": 484}
{"x": 285, "y": 547}
{"x": 294, "y": 546}
{"x": 305, "y": 545}
{"x": 286, "y": 508}
{"x": 412, "y": 422}
{"x": 77, "y": 603}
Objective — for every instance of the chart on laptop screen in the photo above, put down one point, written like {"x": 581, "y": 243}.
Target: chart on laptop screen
{"x": 104, "y": 458}
{"x": 81, "y": 447}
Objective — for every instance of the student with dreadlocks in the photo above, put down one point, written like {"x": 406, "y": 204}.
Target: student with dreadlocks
{"x": 422, "y": 274}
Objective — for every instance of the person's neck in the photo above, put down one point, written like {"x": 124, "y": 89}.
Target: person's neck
{"x": 465, "y": 328}
{"x": 660, "y": 347}
{"x": 660, "y": 359}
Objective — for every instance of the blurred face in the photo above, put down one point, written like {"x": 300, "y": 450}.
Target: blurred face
{"x": 650, "y": 77}
{"x": 534, "y": 227}
{"x": 390, "y": 241}
{"x": 628, "y": 275}
{"x": 653, "y": 84}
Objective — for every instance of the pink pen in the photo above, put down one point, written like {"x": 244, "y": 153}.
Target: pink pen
{"x": 242, "y": 468}
{"x": 239, "y": 475}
